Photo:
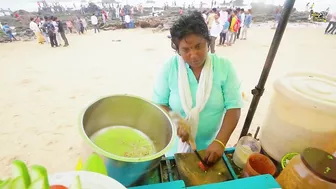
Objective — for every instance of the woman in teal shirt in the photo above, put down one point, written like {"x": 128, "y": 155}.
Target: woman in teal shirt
{"x": 203, "y": 88}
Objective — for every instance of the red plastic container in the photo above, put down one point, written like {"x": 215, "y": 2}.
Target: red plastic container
{"x": 258, "y": 164}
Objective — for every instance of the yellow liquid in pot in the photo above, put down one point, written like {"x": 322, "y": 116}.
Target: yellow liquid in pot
{"x": 124, "y": 141}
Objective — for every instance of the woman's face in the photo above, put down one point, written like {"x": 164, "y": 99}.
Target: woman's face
{"x": 193, "y": 49}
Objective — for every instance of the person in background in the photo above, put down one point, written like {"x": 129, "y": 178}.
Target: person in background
{"x": 104, "y": 16}
{"x": 37, "y": 20}
{"x": 77, "y": 25}
{"x": 312, "y": 6}
{"x": 50, "y": 28}
{"x": 215, "y": 30}
{"x": 122, "y": 14}
{"x": 247, "y": 24}
{"x": 34, "y": 27}
{"x": 141, "y": 9}
{"x": 241, "y": 20}
{"x": 85, "y": 25}
{"x": 94, "y": 22}
{"x": 61, "y": 30}
{"x": 223, "y": 33}
{"x": 181, "y": 11}
{"x": 201, "y": 87}
{"x": 8, "y": 31}
{"x": 332, "y": 24}
{"x": 277, "y": 18}
{"x": 43, "y": 29}
{"x": 81, "y": 26}
{"x": 233, "y": 28}
{"x": 132, "y": 11}
{"x": 58, "y": 35}
{"x": 223, "y": 16}
{"x": 204, "y": 15}
{"x": 238, "y": 16}
{"x": 117, "y": 12}
{"x": 69, "y": 25}
{"x": 211, "y": 17}
{"x": 127, "y": 20}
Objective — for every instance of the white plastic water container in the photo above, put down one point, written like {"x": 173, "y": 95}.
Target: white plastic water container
{"x": 302, "y": 114}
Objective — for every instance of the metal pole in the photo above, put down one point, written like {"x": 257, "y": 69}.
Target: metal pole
{"x": 259, "y": 89}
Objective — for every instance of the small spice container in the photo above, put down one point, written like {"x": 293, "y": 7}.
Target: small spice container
{"x": 313, "y": 169}
{"x": 258, "y": 164}
{"x": 245, "y": 147}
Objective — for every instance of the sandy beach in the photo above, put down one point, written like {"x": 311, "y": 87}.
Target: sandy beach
{"x": 44, "y": 89}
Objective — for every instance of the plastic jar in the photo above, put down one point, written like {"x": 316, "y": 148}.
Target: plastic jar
{"x": 245, "y": 147}
{"x": 313, "y": 169}
{"x": 301, "y": 114}
{"x": 258, "y": 164}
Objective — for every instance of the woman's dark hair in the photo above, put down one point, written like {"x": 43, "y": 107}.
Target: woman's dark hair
{"x": 189, "y": 24}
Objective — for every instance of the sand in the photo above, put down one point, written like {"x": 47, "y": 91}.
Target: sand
{"x": 44, "y": 89}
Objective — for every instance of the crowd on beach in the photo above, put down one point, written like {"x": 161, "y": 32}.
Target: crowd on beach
{"x": 53, "y": 31}
{"x": 227, "y": 24}
{"x": 50, "y": 30}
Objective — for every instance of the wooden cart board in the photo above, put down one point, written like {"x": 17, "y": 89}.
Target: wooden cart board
{"x": 192, "y": 175}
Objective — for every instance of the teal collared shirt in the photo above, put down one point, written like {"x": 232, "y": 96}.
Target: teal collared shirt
{"x": 225, "y": 95}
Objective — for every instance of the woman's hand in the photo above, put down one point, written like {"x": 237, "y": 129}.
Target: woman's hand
{"x": 214, "y": 151}
{"x": 184, "y": 132}
{"x": 183, "y": 129}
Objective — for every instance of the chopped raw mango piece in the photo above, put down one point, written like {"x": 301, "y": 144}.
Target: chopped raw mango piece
{"x": 39, "y": 184}
{"x": 17, "y": 183}
{"x": 37, "y": 172}
{"x": 77, "y": 184}
{"x": 5, "y": 184}
{"x": 19, "y": 169}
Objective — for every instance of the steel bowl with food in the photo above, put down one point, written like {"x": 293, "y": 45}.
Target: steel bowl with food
{"x": 131, "y": 133}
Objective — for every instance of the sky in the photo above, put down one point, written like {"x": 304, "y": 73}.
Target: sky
{"x": 31, "y": 5}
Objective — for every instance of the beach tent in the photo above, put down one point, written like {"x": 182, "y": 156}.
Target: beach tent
{"x": 260, "y": 87}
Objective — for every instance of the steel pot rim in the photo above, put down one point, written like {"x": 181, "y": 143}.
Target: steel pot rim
{"x": 121, "y": 158}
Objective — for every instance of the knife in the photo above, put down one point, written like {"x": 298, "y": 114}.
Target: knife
{"x": 200, "y": 158}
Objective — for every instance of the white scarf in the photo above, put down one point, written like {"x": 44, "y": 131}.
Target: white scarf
{"x": 202, "y": 96}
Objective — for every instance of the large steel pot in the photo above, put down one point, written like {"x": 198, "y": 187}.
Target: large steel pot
{"x": 133, "y": 112}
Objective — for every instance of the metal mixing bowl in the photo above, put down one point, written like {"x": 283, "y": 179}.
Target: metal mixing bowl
{"x": 133, "y": 112}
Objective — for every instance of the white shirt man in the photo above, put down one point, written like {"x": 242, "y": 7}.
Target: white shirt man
{"x": 224, "y": 16}
{"x": 127, "y": 18}
{"x": 242, "y": 19}
{"x": 33, "y": 26}
{"x": 94, "y": 20}
{"x": 216, "y": 28}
